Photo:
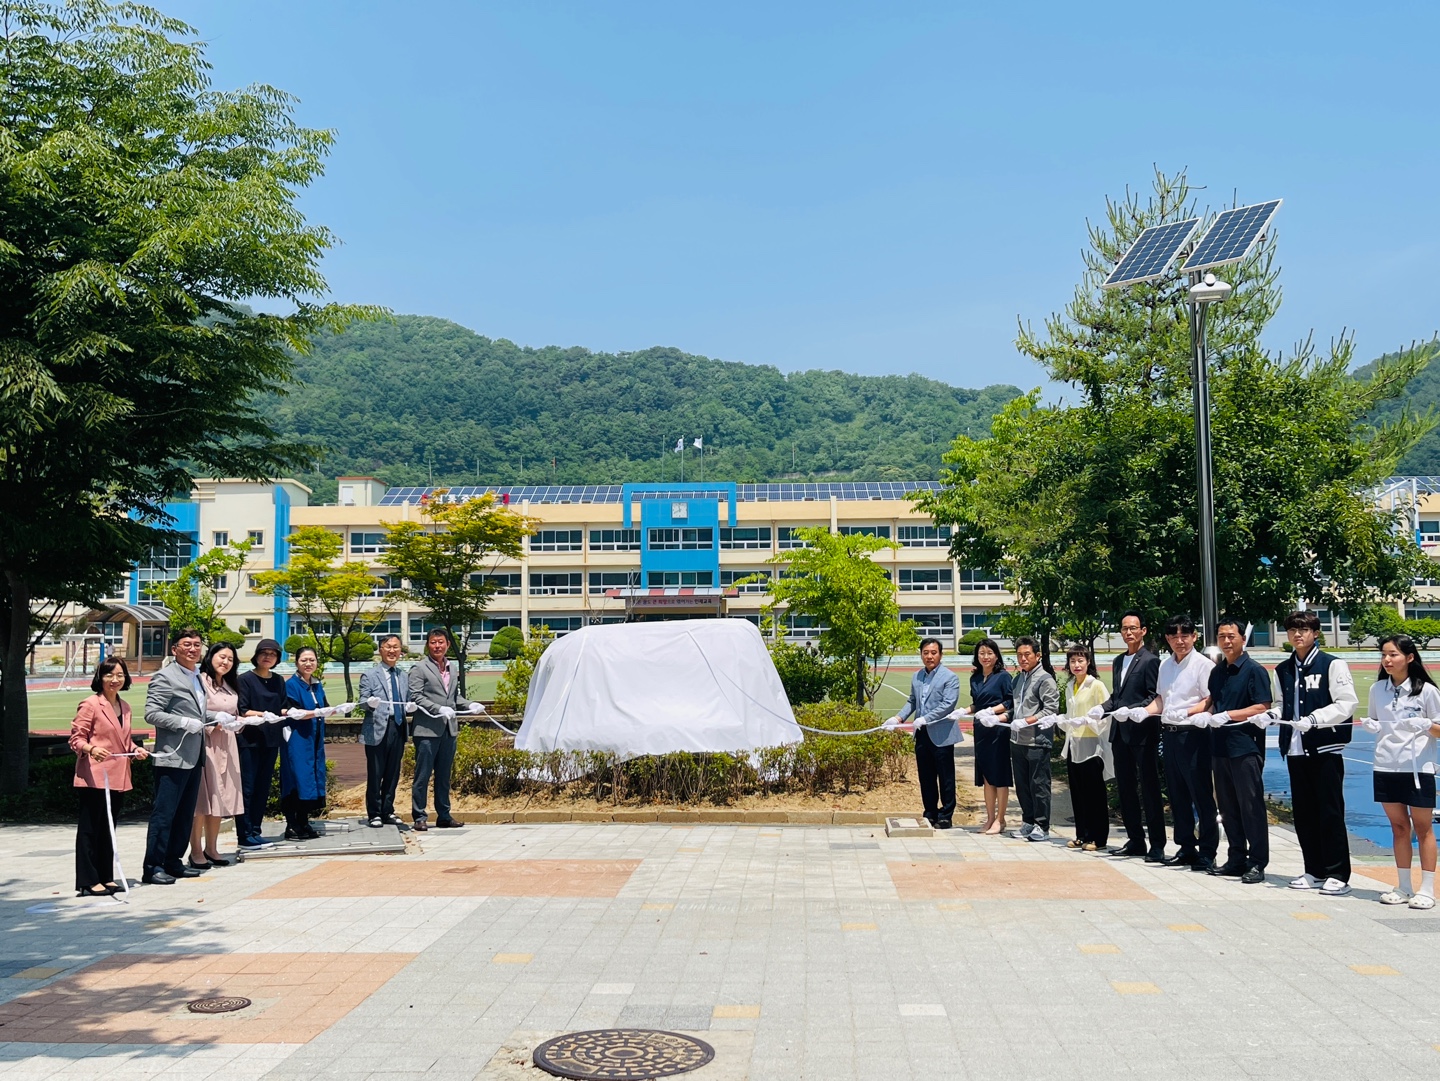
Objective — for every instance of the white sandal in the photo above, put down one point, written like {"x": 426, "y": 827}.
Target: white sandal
{"x": 1422, "y": 900}
{"x": 1395, "y": 897}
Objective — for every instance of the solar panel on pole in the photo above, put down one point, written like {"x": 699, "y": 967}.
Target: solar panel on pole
{"x": 1152, "y": 253}
{"x": 1232, "y": 236}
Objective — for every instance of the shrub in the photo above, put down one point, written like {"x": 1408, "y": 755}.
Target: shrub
{"x": 970, "y": 639}
{"x": 507, "y": 644}
{"x": 514, "y": 686}
{"x": 802, "y": 671}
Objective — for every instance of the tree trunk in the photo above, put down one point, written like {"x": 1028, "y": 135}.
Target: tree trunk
{"x": 345, "y": 667}
{"x": 14, "y": 704}
{"x": 860, "y": 680}
{"x": 462, "y": 656}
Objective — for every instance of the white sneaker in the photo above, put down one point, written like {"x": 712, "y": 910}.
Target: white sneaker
{"x": 1037, "y": 834}
{"x": 1305, "y": 882}
{"x": 1333, "y": 887}
{"x": 1395, "y": 897}
{"x": 1023, "y": 833}
{"x": 1422, "y": 900}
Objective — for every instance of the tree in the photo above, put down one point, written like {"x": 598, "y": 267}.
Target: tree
{"x": 833, "y": 580}
{"x": 1376, "y": 621}
{"x": 448, "y": 561}
{"x": 1088, "y": 509}
{"x": 513, "y": 690}
{"x": 138, "y": 207}
{"x": 192, "y": 598}
{"x": 337, "y": 605}
{"x": 506, "y": 644}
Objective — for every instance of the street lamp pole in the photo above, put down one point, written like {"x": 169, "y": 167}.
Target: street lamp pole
{"x": 1204, "y": 291}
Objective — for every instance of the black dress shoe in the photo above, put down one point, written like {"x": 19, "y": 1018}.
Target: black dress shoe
{"x": 1253, "y": 876}
{"x": 1155, "y": 855}
{"x": 1229, "y": 870}
{"x": 217, "y": 861}
{"x": 1128, "y": 851}
{"x": 943, "y": 824}
{"x": 420, "y": 826}
{"x": 187, "y": 872}
{"x": 1184, "y": 858}
{"x": 1203, "y": 865}
{"x": 200, "y": 866}
{"x": 157, "y": 878}
{"x": 449, "y": 824}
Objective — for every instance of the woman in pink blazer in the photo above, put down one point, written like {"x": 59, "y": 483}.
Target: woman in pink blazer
{"x": 99, "y": 734}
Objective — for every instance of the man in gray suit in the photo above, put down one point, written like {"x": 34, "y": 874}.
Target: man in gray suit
{"x": 934, "y": 693}
{"x": 385, "y": 694}
{"x": 175, "y": 705}
{"x": 435, "y": 690}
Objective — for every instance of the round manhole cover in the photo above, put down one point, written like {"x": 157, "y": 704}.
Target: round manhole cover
{"x": 627, "y": 1054}
{"x": 218, "y": 1005}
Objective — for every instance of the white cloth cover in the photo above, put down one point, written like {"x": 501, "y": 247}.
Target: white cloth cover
{"x": 634, "y": 689}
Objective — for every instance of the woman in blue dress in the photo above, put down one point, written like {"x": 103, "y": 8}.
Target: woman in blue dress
{"x": 991, "y": 688}
{"x": 302, "y": 754}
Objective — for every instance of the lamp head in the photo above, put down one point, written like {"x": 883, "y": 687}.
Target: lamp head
{"x": 1210, "y": 291}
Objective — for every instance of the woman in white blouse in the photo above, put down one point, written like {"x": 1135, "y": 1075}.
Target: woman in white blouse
{"x": 1087, "y": 752}
{"x": 1404, "y": 709}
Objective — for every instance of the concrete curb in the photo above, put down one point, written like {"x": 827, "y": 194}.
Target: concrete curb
{"x": 697, "y": 817}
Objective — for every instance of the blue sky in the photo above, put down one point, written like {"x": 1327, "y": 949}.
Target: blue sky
{"x": 875, "y": 188}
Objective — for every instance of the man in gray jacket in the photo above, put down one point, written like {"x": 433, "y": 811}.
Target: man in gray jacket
{"x": 1036, "y": 697}
{"x": 435, "y": 691}
{"x": 175, "y": 705}
{"x": 385, "y": 694}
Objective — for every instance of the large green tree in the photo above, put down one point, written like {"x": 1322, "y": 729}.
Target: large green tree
{"x": 1088, "y": 506}
{"x": 834, "y": 581}
{"x": 138, "y": 206}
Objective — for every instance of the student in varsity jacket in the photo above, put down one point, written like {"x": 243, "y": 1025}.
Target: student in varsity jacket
{"x": 1317, "y": 704}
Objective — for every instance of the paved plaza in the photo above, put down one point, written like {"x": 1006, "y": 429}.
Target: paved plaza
{"x": 795, "y": 951}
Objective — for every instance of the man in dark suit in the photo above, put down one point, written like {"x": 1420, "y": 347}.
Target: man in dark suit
{"x": 1136, "y": 744}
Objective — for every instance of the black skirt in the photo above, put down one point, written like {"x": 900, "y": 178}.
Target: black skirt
{"x": 992, "y": 756}
{"x": 1400, "y": 788}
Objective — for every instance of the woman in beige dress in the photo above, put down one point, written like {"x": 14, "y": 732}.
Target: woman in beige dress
{"x": 220, "y": 793}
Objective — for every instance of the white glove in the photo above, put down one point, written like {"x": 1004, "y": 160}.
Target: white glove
{"x": 1220, "y": 719}
{"x": 269, "y": 718}
{"x": 343, "y": 708}
{"x": 1198, "y": 720}
{"x": 191, "y": 725}
{"x": 959, "y": 712}
{"x": 1272, "y": 717}
{"x": 1419, "y": 724}
{"x": 296, "y": 714}
{"x": 475, "y": 708}
{"x": 1018, "y": 724}
{"x": 1304, "y": 724}
{"x": 1096, "y": 713}
{"x": 286, "y": 732}
{"x": 1050, "y": 720}
{"x": 1067, "y": 724}
{"x": 892, "y": 722}
{"x": 446, "y": 713}
{"x": 1134, "y": 713}
{"x": 411, "y": 707}
{"x": 987, "y": 718}
{"x": 1370, "y": 724}
{"x": 374, "y": 701}
{"x": 224, "y": 719}
{"x": 1176, "y": 715}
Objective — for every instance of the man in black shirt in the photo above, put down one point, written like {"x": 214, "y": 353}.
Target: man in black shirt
{"x": 1240, "y": 690}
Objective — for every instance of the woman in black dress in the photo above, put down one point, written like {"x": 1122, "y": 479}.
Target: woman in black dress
{"x": 991, "y": 689}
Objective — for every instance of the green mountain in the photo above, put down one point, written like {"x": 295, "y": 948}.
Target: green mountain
{"x": 1421, "y": 395}
{"x": 399, "y": 399}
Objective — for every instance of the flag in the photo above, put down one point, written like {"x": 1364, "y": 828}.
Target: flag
{"x": 698, "y": 444}
{"x": 679, "y": 446}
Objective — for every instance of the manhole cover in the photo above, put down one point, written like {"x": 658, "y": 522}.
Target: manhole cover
{"x": 217, "y": 1005}
{"x": 628, "y": 1054}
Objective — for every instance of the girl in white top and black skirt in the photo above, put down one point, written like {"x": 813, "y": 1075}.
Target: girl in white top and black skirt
{"x": 1404, "y": 711}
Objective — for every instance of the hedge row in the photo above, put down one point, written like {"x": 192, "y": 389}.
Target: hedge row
{"x": 487, "y": 764}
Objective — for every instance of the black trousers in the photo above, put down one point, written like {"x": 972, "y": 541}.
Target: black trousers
{"x": 1031, "y": 766}
{"x": 1137, "y": 777}
{"x": 1089, "y": 800}
{"x": 94, "y": 854}
{"x": 1317, "y": 797}
{"x": 433, "y": 755}
{"x": 935, "y": 767}
{"x": 1240, "y": 792}
{"x": 257, "y": 768}
{"x": 298, "y": 811}
{"x": 382, "y": 772}
{"x": 1192, "y": 790}
{"x": 176, "y": 790}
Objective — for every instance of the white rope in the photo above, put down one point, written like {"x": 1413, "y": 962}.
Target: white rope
{"x": 476, "y": 710}
{"x": 117, "y": 870}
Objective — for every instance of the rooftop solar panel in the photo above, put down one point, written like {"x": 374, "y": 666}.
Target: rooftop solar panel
{"x": 1152, "y": 253}
{"x": 613, "y": 493}
{"x": 1232, "y": 235}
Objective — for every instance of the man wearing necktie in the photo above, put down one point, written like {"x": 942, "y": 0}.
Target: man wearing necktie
{"x": 385, "y": 694}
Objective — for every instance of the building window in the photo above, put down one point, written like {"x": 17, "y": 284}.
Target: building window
{"x": 728, "y": 580}
{"x": 932, "y": 624}
{"x": 925, "y": 536}
{"x": 368, "y": 544}
{"x": 220, "y": 583}
{"x": 114, "y": 634}
{"x": 417, "y": 629}
{"x": 925, "y": 579}
{"x": 980, "y": 581}
{"x": 252, "y": 626}
{"x": 559, "y": 625}
{"x": 977, "y": 621}
{"x": 256, "y": 537}
{"x": 493, "y": 624}
{"x": 387, "y": 584}
{"x": 163, "y": 566}
{"x": 685, "y": 540}
{"x": 802, "y": 628}
{"x": 383, "y": 628}
{"x": 1430, "y": 528}
{"x": 614, "y": 540}
{"x": 657, "y": 579}
{"x": 865, "y": 531}
{"x": 557, "y": 540}
{"x": 561, "y": 583}
{"x": 746, "y": 537}
{"x": 600, "y": 581}
{"x": 505, "y": 585}
{"x": 790, "y": 536}
{"x": 1427, "y": 581}
{"x": 221, "y": 537}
